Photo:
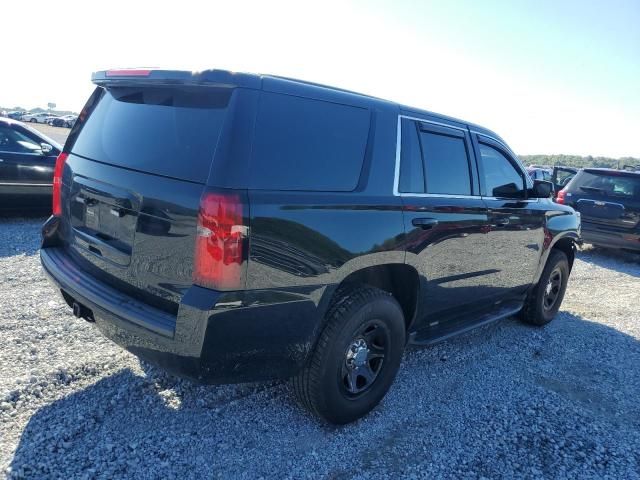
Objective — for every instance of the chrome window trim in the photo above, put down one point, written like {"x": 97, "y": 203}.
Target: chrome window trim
{"x": 600, "y": 201}
{"x": 528, "y": 200}
{"x": 19, "y": 184}
{"x": 438, "y": 195}
{"x": 396, "y": 177}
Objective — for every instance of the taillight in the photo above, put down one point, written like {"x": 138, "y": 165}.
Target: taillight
{"x": 561, "y": 196}
{"x": 220, "y": 241}
{"x": 57, "y": 184}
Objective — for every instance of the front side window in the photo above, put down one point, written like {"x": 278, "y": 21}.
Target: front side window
{"x": 501, "y": 178}
{"x": 15, "y": 142}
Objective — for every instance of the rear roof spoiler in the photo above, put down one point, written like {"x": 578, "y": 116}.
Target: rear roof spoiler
{"x": 220, "y": 78}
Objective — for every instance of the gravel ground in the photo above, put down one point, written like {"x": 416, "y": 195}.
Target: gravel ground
{"x": 504, "y": 401}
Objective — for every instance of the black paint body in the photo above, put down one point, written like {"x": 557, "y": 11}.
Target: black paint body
{"x": 137, "y": 284}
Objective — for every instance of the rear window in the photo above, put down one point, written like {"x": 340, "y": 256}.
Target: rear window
{"x": 166, "y": 131}
{"x": 608, "y": 184}
{"x": 305, "y": 144}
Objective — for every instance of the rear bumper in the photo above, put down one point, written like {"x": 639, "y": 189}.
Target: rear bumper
{"x": 216, "y": 337}
{"x": 611, "y": 238}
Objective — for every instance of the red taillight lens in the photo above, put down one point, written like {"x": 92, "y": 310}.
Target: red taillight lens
{"x": 561, "y": 196}
{"x": 220, "y": 241}
{"x": 57, "y": 184}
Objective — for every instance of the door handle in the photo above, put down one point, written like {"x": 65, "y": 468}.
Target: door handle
{"x": 424, "y": 223}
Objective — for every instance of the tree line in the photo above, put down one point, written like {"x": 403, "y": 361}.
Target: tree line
{"x": 580, "y": 162}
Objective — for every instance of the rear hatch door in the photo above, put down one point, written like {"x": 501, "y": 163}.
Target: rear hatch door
{"x": 607, "y": 198}
{"x": 139, "y": 158}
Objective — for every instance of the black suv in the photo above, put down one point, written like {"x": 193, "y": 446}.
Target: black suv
{"x": 232, "y": 227}
{"x": 609, "y": 202}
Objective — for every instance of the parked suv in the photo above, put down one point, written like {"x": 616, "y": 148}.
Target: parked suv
{"x": 609, "y": 202}
{"x": 232, "y": 227}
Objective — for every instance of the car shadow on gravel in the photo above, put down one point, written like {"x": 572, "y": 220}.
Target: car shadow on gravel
{"x": 507, "y": 391}
{"x": 619, "y": 260}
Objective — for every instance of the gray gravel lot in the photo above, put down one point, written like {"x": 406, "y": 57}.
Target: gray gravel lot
{"x": 59, "y": 134}
{"x": 504, "y": 401}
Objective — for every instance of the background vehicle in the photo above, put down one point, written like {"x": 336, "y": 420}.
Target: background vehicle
{"x": 562, "y": 176}
{"x": 16, "y": 115}
{"x": 41, "y": 117}
{"x": 49, "y": 120}
{"x": 27, "y": 160}
{"x": 64, "y": 121}
{"x": 609, "y": 202}
{"x": 537, "y": 173}
{"x": 235, "y": 227}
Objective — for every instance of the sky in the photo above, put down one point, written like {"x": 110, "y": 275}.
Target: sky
{"x": 550, "y": 77}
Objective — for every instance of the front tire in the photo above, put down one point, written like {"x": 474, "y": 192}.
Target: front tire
{"x": 33, "y": 120}
{"x": 544, "y": 301}
{"x": 357, "y": 356}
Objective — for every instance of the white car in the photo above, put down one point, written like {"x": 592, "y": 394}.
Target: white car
{"x": 41, "y": 117}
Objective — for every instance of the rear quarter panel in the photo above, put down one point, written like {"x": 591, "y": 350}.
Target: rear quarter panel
{"x": 315, "y": 239}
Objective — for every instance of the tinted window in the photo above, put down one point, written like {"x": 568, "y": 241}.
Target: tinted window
{"x": 446, "y": 164}
{"x": 501, "y": 179}
{"x": 411, "y": 166}
{"x": 608, "y": 184}
{"x": 13, "y": 141}
{"x": 304, "y": 144}
{"x": 168, "y": 131}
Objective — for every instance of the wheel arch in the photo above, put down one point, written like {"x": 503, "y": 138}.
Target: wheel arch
{"x": 398, "y": 279}
{"x": 567, "y": 245}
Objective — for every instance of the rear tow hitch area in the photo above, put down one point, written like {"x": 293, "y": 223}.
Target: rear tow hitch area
{"x": 80, "y": 311}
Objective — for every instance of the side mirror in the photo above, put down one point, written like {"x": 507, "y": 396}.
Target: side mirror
{"x": 46, "y": 148}
{"x": 509, "y": 190}
{"x": 542, "y": 189}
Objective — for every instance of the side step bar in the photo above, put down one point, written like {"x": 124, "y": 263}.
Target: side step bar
{"x": 430, "y": 336}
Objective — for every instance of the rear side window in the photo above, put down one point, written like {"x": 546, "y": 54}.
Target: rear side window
{"x": 608, "y": 184}
{"x": 305, "y": 144}
{"x": 411, "y": 164}
{"x": 446, "y": 164}
{"x": 433, "y": 161}
{"x": 166, "y": 131}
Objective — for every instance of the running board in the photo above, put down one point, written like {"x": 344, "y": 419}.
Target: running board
{"x": 433, "y": 334}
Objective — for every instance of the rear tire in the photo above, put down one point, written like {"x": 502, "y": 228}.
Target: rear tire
{"x": 357, "y": 356}
{"x": 33, "y": 120}
{"x": 544, "y": 301}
